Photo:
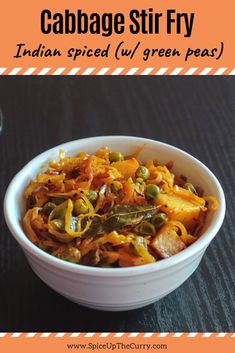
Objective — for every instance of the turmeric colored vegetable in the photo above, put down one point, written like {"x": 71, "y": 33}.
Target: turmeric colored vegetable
{"x": 127, "y": 168}
{"x": 176, "y": 207}
{"x": 108, "y": 210}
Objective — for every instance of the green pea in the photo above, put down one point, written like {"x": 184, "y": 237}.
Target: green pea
{"x": 48, "y": 207}
{"x": 116, "y": 186}
{"x": 146, "y": 228}
{"x": 190, "y": 187}
{"x": 142, "y": 172}
{"x": 80, "y": 207}
{"x": 57, "y": 200}
{"x": 139, "y": 180}
{"x": 58, "y": 223}
{"x": 92, "y": 195}
{"x": 151, "y": 192}
{"x": 159, "y": 219}
{"x": 115, "y": 156}
{"x": 71, "y": 255}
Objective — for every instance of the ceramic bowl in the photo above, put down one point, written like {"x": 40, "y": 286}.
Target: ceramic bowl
{"x": 116, "y": 289}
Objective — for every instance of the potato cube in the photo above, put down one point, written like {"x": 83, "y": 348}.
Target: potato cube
{"x": 167, "y": 242}
{"x": 180, "y": 209}
{"x": 127, "y": 167}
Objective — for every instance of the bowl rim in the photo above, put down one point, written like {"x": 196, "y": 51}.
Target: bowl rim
{"x": 195, "y": 248}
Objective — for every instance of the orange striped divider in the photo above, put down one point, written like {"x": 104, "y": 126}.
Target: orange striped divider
{"x": 147, "y": 71}
{"x": 60, "y": 342}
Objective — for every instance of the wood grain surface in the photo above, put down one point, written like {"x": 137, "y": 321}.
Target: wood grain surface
{"x": 196, "y": 114}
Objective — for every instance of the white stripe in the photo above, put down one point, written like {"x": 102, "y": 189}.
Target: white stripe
{"x": 60, "y": 334}
{"x": 44, "y": 71}
{"x": 31, "y": 334}
{"x": 232, "y": 72}
{"x": 233, "y": 335}
{"x": 16, "y": 334}
{"x": 2, "y": 334}
{"x": 205, "y": 71}
{"x": 119, "y": 334}
{"x": 2, "y": 69}
{"x": 207, "y": 334}
{"x": 104, "y": 334}
{"x": 73, "y": 71}
{"x": 176, "y": 71}
{"x": 58, "y": 71}
{"x": 15, "y": 71}
{"x": 88, "y": 71}
{"x": 29, "y": 71}
{"x": 192, "y": 334}
{"x": 163, "y": 334}
{"x": 89, "y": 334}
{"x": 178, "y": 334}
{"x": 117, "y": 71}
{"x": 147, "y": 71}
{"x": 133, "y": 334}
{"x": 191, "y": 71}
{"x": 222, "y": 334}
{"x": 103, "y": 71}
{"x": 220, "y": 71}
{"x": 148, "y": 334}
{"x": 132, "y": 71}
{"x": 161, "y": 71}
{"x": 45, "y": 334}
{"x": 75, "y": 334}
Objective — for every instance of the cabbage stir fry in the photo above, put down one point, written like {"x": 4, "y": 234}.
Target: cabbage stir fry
{"x": 110, "y": 210}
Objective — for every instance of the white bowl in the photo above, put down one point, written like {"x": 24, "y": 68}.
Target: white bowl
{"x": 118, "y": 288}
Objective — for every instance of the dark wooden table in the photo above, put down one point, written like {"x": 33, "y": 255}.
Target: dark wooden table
{"x": 196, "y": 114}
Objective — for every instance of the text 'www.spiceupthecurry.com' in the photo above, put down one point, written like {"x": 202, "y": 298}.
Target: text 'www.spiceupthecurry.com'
{"x": 116, "y": 346}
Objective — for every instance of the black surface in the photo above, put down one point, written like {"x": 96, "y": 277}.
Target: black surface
{"x": 196, "y": 114}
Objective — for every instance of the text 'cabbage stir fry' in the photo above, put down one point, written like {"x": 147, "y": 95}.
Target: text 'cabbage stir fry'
{"x": 107, "y": 210}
